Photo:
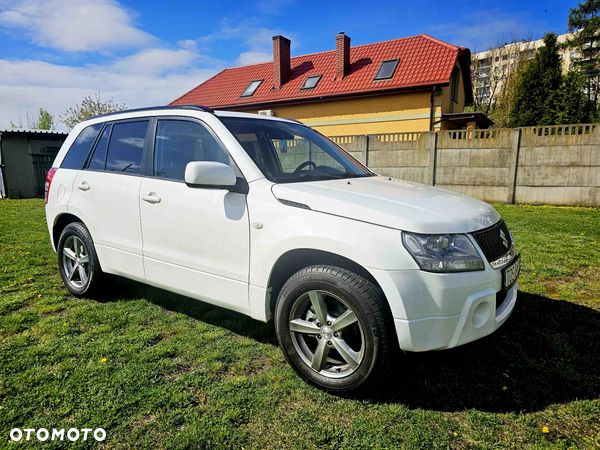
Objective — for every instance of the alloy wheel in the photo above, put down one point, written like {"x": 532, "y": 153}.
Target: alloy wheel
{"x": 76, "y": 262}
{"x": 326, "y": 334}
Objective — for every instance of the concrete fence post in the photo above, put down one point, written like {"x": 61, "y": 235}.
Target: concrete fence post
{"x": 515, "y": 147}
{"x": 433, "y": 141}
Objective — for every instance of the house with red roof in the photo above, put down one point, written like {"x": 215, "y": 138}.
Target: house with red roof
{"x": 416, "y": 83}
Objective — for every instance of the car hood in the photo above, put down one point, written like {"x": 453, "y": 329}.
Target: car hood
{"x": 388, "y": 202}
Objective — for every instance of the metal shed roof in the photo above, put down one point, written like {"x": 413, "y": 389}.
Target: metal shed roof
{"x": 32, "y": 131}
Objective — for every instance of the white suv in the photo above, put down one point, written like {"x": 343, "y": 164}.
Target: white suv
{"x": 269, "y": 218}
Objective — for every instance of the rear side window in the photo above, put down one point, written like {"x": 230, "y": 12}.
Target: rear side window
{"x": 75, "y": 157}
{"x": 126, "y": 147}
{"x": 179, "y": 142}
{"x": 99, "y": 158}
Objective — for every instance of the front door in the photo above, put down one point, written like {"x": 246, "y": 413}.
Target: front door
{"x": 195, "y": 240}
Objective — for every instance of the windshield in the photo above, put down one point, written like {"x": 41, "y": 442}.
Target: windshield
{"x": 288, "y": 152}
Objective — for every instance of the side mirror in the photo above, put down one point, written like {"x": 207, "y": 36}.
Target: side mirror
{"x": 213, "y": 175}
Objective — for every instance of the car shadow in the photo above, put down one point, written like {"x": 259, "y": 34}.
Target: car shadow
{"x": 547, "y": 352}
{"x": 116, "y": 288}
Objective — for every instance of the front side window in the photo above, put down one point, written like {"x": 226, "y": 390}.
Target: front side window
{"x": 179, "y": 142}
{"x": 75, "y": 158}
{"x": 288, "y": 152}
{"x": 126, "y": 147}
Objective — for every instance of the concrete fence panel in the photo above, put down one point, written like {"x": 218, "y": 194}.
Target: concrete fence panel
{"x": 400, "y": 155}
{"x": 355, "y": 145}
{"x": 558, "y": 165}
{"x": 475, "y": 163}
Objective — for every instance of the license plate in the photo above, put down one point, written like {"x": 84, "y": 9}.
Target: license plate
{"x": 511, "y": 273}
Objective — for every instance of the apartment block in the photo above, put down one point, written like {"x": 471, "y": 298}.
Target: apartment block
{"x": 491, "y": 67}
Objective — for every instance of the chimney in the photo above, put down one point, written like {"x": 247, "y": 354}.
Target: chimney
{"x": 281, "y": 60}
{"x": 342, "y": 56}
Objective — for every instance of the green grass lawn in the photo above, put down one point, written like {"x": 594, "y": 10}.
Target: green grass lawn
{"x": 157, "y": 370}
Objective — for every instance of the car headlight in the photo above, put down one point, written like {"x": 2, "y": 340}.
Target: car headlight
{"x": 443, "y": 252}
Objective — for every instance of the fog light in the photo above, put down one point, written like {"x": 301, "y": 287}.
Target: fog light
{"x": 481, "y": 314}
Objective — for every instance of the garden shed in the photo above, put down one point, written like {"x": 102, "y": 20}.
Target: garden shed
{"x": 25, "y": 158}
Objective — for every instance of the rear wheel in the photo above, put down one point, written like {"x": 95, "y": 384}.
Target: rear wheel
{"x": 77, "y": 259}
{"x": 333, "y": 328}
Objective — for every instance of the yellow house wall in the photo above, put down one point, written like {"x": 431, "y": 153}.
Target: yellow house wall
{"x": 445, "y": 100}
{"x": 392, "y": 113}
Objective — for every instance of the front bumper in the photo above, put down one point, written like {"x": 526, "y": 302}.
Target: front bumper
{"x": 437, "y": 311}
{"x": 482, "y": 314}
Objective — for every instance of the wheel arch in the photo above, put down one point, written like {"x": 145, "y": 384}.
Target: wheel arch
{"x": 294, "y": 260}
{"x": 60, "y": 224}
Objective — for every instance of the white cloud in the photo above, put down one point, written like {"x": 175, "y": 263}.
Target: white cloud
{"x": 272, "y": 6}
{"x": 257, "y": 40}
{"x": 188, "y": 44}
{"x": 29, "y": 85}
{"x": 155, "y": 61}
{"x": 82, "y": 25}
{"x": 153, "y": 75}
{"x": 480, "y": 29}
{"x": 253, "y": 57}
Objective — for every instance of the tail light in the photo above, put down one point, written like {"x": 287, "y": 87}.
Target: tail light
{"x": 49, "y": 177}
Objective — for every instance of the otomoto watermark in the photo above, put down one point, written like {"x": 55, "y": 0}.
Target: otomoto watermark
{"x": 43, "y": 434}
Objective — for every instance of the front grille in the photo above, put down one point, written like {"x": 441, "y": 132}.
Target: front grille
{"x": 491, "y": 242}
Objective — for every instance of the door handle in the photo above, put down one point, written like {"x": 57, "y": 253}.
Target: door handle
{"x": 83, "y": 186}
{"x": 151, "y": 198}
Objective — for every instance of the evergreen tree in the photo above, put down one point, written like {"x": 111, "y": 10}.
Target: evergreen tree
{"x": 584, "y": 23}
{"x": 574, "y": 106}
{"x": 537, "y": 96}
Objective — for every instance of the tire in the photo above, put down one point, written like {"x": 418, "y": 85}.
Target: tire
{"x": 351, "y": 357}
{"x": 77, "y": 260}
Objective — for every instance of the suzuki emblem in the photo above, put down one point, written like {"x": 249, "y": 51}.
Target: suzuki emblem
{"x": 503, "y": 237}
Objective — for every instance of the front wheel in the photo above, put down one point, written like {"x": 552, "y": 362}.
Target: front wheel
{"x": 333, "y": 328}
{"x": 77, "y": 259}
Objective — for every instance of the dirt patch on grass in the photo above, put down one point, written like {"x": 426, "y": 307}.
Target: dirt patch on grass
{"x": 582, "y": 287}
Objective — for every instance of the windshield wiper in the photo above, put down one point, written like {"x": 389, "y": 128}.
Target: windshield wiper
{"x": 313, "y": 176}
{"x": 350, "y": 175}
{"x": 308, "y": 176}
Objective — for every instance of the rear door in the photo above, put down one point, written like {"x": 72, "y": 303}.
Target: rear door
{"x": 71, "y": 164}
{"x": 106, "y": 196}
{"x": 196, "y": 240}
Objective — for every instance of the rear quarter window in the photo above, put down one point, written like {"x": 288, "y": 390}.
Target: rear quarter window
{"x": 77, "y": 153}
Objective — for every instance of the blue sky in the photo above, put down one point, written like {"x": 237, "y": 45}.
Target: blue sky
{"x": 142, "y": 53}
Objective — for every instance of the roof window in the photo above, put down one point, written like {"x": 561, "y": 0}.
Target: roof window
{"x": 251, "y": 89}
{"x": 386, "y": 69}
{"x": 311, "y": 82}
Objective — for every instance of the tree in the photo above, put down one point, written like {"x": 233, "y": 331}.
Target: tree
{"x": 494, "y": 76}
{"x": 574, "y": 106}
{"x": 536, "y": 99}
{"x": 500, "y": 113}
{"x": 584, "y": 23}
{"x": 42, "y": 120}
{"x": 90, "y": 107}
{"x": 45, "y": 120}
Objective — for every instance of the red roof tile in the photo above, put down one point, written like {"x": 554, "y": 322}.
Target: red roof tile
{"x": 423, "y": 61}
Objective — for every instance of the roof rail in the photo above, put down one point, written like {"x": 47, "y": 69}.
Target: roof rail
{"x": 156, "y": 108}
